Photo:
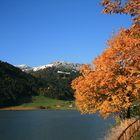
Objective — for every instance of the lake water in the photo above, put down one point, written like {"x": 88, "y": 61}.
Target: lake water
{"x": 52, "y": 125}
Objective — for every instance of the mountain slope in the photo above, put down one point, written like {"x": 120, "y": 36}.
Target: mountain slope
{"x": 58, "y": 82}
{"x": 53, "y": 81}
{"x": 15, "y": 85}
{"x": 24, "y": 67}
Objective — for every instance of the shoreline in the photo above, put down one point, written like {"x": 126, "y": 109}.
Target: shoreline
{"x": 16, "y": 108}
{"x": 21, "y": 108}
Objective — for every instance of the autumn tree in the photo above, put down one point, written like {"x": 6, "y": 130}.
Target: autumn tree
{"x": 131, "y": 7}
{"x": 113, "y": 84}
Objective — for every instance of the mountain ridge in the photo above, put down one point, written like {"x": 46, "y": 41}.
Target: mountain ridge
{"x": 58, "y": 64}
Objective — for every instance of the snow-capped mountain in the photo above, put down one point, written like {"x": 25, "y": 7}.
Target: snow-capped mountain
{"x": 57, "y": 64}
{"x": 42, "y": 67}
{"x": 24, "y": 67}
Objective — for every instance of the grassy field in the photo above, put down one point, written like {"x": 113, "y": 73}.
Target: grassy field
{"x": 41, "y": 102}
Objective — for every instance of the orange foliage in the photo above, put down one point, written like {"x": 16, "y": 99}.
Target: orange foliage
{"x": 113, "y": 84}
{"x": 131, "y": 7}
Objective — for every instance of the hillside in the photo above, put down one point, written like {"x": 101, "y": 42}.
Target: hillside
{"x": 57, "y": 82}
{"x": 57, "y": 78}
{"x": 16, "y": 86}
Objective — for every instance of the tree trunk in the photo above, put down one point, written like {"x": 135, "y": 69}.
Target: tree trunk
{"x": 122, "y": 115}
{"x": 128, "y": 113}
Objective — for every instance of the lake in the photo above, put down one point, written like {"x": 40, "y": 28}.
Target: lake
{"x": 52, "y": 125}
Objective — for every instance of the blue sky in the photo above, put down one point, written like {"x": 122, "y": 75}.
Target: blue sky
{"x": 37, "y": 32}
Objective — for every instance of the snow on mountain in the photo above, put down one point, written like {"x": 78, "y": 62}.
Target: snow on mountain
{"x": 59, "y": 64}
{"x": 24, "y": 67}
{"x": 67, "y": 65}
{"x": 42, "y": 67}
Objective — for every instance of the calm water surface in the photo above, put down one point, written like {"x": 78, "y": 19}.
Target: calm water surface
{"x": 51, "y": 125}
